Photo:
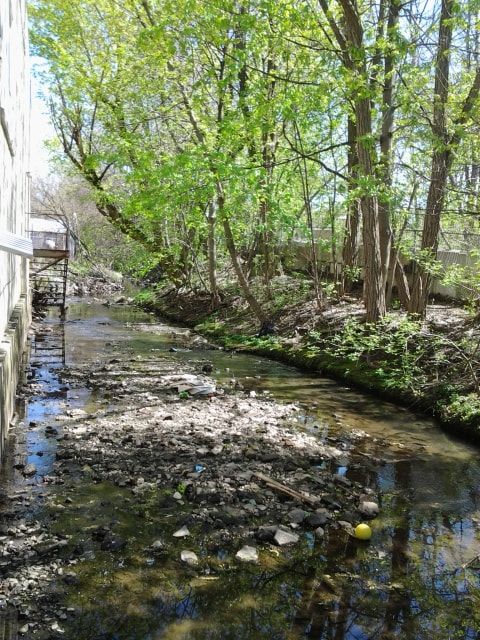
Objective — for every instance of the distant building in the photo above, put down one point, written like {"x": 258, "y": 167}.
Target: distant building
{"x": 15, "y": 248}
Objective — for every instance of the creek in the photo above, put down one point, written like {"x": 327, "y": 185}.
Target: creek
{"x": 418, "y": 576}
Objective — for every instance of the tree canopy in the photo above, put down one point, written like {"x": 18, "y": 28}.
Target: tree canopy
{"x": 220, "y": 130}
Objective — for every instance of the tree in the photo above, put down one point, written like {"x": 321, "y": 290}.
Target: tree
{"x": 175, "y": 125}
{"x": 446, "y": 142}
{"x": 211, "y": 131}
{"x": 97, "y": 242}
{"x": 352, "y": 45}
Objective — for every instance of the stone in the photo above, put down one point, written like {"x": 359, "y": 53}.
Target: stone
{"x": 369, "y": 509}
{"x": 142, "y": 488}
{"x": 57, "y": 629}
{"x": 284, "y": 538}
{"x": 245, "y": 475}
{"x": 70, "y": 578}
{"x": 342, "y": 480}
{"x": 247, "y": 554}
{"x": 266, "y": 533}
{"x": 350, "y": 516}
{"x": 29, "y": 470}
{"x": 100, "y": 532}
{"x": 319, "y": 533}
{"x": 189, "y": 557}
{"x": 158, "y": 546}
{"x": 297, "y": 516}
{"x": 233, "y": 516}
{"x": 182, "y": 533}
{"x": 317, "y": 518}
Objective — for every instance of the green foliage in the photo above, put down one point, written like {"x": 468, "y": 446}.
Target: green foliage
{"x": 464, "y": 408}
{"x": 394, "y": 351}
{"x": 182, "y": 115}
{"x": 352, "y": 273}
{"x": 402, "y": 354}
{"x": 212, "y": 327}
{"x": 254, "y": 342}
{"x": 145, "y": 298}
{"x": 283, "y": 296}
{"x": 465, "y": 278}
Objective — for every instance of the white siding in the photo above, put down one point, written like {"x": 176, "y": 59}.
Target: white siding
{"x": 14, "y": 148}
{"x": 14, "y": 201}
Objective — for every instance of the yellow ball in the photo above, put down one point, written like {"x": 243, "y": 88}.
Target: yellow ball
{"x": 363, "y": 532}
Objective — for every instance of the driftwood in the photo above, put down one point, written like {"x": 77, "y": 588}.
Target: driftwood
{"x": 273, "y": 484}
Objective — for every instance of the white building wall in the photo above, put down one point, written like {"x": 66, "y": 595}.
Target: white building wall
{"x": 14, "y": 198}
{"x": 14, "y": 148}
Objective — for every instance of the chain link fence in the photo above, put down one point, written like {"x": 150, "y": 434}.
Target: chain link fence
{"x": 447, "y": 241}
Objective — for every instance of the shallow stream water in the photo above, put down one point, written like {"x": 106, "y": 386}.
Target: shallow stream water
{"x": 418, "y": 576}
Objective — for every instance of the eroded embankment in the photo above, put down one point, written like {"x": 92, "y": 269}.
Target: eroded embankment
{"x": 440, "y": 376}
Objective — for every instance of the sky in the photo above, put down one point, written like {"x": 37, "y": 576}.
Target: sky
{"x": 40, "y": 130}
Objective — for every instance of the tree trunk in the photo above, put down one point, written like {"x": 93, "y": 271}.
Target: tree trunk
{"x": 374, "y": 289}
{"x": 230, "y": 243}
{"x": 442, "y": 159}
{"x": 212, "y": 255}
{"x": 441, "y": 162}
{"x": 352, "y": 223}
{"x": 386, "y": 143}
{"x": 431, "y": 228}
{"x": 402, "y": 284}
{"x": 307, "y": 199}
{"x": 269, "y": 143}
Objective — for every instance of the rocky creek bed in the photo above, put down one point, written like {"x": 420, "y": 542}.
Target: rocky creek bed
{"x": 197, "y": 467}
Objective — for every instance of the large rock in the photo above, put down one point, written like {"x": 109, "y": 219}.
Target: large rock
{"x": 369, "y": 509}
{"x": 297, "y": 516}
{"x": 247, "y": 554}
{"x": 284, "y": 538}
{"x": 189, "y": 557}
{"x": 182, "y": 533}
{"x": 319, "y": 517}
{"x": 29, "y": 470}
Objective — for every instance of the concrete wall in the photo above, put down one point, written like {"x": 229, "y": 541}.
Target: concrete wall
{"x": 448, "y": 259}
{"x": 300, "y": 254}
{"x": 14, "y": 198}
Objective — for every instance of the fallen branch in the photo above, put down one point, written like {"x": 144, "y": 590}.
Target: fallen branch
{"x": 470, "y": 562}
{"x": 273, "y": 484}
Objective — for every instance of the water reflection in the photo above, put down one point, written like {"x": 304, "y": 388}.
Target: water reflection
{"x": 417, "y": 578}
